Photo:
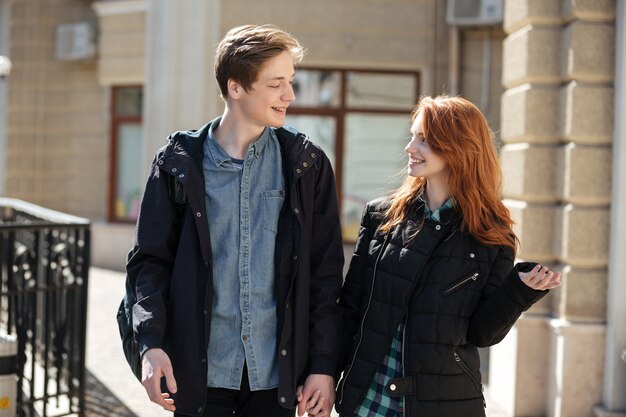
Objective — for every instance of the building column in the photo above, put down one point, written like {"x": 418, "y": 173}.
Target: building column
{"x": 5, "y": 10}
{"x": 519, "y": 365}
{"x": 614, "y": 391}
{"x": 557, "y": 129}
{"x": 180, "y": 91}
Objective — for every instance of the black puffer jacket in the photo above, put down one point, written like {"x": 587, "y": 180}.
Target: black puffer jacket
{"x": 450, "y": 293}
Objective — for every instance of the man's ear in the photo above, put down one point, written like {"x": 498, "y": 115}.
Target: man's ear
{"x": 234, "y": 89}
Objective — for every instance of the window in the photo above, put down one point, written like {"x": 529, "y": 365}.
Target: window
{"x": 361, "y": 120}
{"x": 126, "y": 130}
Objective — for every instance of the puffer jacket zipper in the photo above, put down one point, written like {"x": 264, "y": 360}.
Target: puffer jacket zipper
{"x": 468, "y": 372}
{"x": 369, "y": 301}
{"x": 405, "y": 403}
{"x": 460, "y": 283}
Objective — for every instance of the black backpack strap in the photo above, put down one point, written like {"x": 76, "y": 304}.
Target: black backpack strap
{"x": 177, "y": 194}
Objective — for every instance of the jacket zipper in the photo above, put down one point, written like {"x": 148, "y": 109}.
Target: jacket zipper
{"x": 369, "y": 302}
{"x": 404, "y": 401}
{"x": 464, "y": 281}
{"x": 469, "y": 373}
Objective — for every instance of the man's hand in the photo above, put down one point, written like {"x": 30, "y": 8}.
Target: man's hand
{"x": 317, "y": 396}
{"x": 155, "y": 364}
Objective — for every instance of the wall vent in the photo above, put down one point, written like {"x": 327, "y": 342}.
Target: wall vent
{"x": 474, "y": 12}
{"x": 75, "y": 41}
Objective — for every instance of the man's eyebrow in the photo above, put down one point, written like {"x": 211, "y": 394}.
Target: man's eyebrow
{"x": 280, "y": 77}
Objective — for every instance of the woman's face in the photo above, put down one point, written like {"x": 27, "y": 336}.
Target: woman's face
{"x": 423, "y": 162}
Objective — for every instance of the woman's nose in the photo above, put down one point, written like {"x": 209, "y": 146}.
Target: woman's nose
{"x": 410, "y": 147}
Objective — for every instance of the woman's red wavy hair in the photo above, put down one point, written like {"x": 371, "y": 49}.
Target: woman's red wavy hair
{"x": 457, "y": 131}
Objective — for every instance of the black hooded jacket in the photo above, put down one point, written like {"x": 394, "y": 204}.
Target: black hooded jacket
{"x": 172, "y": 266}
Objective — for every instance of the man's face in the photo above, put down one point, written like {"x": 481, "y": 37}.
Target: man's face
{"x": 266, "y": 102}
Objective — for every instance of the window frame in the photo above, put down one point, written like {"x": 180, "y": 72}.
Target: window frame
{"x": 341, "y": 111}
{"x": 115, "y": 122}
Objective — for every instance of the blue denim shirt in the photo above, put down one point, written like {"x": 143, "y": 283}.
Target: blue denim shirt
{"x": 243, "y": 205}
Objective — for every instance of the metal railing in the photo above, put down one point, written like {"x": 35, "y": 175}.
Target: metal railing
{"x": 44, "y": 265}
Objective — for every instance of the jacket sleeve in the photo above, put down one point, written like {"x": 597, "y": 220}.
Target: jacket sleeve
{"x": 353, "y": 291}
{"x": 326, "y": 268}
{"x": 151, "y": 262}
{"x": 505, "y": 297}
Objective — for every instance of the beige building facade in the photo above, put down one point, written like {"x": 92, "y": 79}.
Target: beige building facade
{"x": 96, "y": 87}
{"x": 562, "y": 133}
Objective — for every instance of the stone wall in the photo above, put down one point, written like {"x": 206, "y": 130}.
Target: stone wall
{"x": 557, "y": 126}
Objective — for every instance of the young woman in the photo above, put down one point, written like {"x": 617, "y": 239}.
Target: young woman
{"x": 432, "y": 276}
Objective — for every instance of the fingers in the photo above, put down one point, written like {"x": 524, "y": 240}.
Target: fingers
{"x": 318, "y": 409}
{"x": 162, "y": 399}
{"x": 555, "y": 281}
{"x": 166, "y": 398}
{"x": 170, "y": 381}
{"x": 541, "y": 278}
{"x": 317, "y": 396}
{"x": 309, "y": 403}
{"x": 155, "y": 365}
{"x": 302, "y": 400}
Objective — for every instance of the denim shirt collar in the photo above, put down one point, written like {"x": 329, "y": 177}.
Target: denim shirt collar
{"x": 219, "y": 156}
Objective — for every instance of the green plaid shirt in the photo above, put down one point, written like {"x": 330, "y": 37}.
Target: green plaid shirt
{"x": 377, "y": 401}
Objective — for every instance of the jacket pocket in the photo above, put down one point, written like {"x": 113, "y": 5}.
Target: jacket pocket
{"x": 470, "y": 374}
{"x": 460, "y": 284}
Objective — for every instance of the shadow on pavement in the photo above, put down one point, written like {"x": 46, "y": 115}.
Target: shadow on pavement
{"x": 100, "y": 402}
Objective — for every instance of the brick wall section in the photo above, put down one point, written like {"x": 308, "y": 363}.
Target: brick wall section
{"x": 121, "y": 49}
{"x": 56, "y": 148}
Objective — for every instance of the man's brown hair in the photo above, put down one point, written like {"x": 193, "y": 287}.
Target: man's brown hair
{"x": 244, "y": 49}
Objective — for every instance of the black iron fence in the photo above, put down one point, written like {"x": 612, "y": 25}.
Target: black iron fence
{"x": 44, "y": 264}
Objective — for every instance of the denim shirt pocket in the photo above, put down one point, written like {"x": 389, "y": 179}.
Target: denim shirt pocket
{"x": 271, "y": 204}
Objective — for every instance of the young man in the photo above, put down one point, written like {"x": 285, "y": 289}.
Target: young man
{"x": 236, "y": 311}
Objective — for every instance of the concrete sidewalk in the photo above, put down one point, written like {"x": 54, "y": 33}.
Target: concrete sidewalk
{"x": 112, "y": 390}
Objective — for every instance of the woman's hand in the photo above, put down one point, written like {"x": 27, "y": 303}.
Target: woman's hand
{"x": 541, "y": 278}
